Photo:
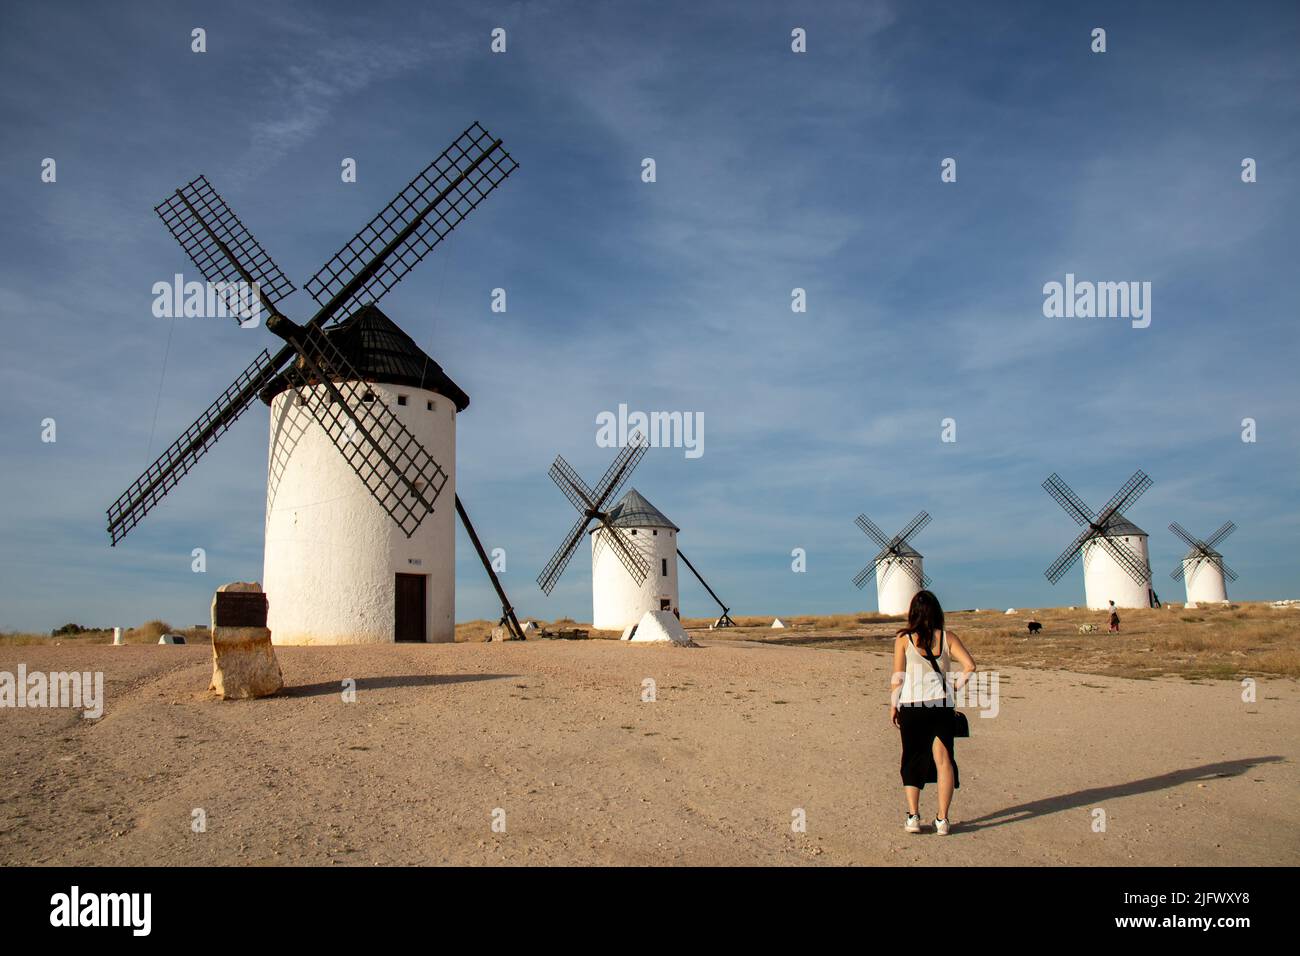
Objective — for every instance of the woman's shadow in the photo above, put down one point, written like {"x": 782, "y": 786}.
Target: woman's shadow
{"x": 1096, "y": 795}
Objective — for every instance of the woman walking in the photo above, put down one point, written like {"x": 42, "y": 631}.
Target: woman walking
{"x": 922, "y": 706}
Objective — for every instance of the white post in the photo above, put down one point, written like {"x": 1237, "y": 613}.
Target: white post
{"x": 117, "y": 636}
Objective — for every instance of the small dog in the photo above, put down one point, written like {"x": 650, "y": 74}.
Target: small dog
{"x": 1087, "y": 628}
{"x": 1034, "y": 627}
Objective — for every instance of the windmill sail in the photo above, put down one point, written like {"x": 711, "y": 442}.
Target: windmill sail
{"x": 219, "y": 245}
{"x": 590, "y": 505}
{"x": 390, "y": 461}
{"x": 397, "y": 471}
{"x": 181, "y": 455}
{"x": 1100, "y": 527}
{"x": 411, "y": 226}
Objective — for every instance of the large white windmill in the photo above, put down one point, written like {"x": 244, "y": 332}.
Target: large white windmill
{"x": 1116, "y": 563}
{"x": 897, "y": 566}
{"x": 1203, "y": 569}
{"x": 363, "y": 422}
{"x": 339, "y": 568}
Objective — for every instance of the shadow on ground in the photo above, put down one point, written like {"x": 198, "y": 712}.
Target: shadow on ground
{"x": 1096, "y": 795}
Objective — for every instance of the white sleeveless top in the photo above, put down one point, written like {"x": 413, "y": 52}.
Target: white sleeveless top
{"x": 920, "y": 682}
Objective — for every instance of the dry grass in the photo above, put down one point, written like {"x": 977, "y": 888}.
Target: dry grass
{"x": 1211, "y": 642}
{"x": 146, "y": 633}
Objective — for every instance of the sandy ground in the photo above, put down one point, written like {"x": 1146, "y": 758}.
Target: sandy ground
{"x": 554, "y": 733}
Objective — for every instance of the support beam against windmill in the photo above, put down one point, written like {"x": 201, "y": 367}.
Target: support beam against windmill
{"x": 508, "y": 619}
{"x": 723, "y": 621}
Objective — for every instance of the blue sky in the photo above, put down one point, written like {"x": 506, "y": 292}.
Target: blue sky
{"x": 775, "y": 171}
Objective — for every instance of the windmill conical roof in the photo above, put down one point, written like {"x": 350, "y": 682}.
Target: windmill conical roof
{"x": 1119, "y": 526}
{"x": 634, "y": 511}
{"x": 381, "y": 352}
{"x": 905, "y": 550}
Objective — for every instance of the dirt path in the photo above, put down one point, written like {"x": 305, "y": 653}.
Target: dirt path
{"x": 555, "y": 734}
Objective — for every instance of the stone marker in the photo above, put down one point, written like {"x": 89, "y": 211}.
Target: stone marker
{"x": 243, "y": 661}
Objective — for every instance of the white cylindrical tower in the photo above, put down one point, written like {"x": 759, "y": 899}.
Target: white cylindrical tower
{"x": 1204, "y": 579}
{"x": 338, "y": 569}
{"x": 1106, "y": 580}
{"x": 895, "y": 584}
{"x": 617, "y": 599}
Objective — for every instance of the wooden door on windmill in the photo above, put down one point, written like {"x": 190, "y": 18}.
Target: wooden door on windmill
{"x": 408, "y": 604}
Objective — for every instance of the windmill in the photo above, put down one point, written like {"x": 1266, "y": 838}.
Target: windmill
{"x": 332, "y": 571}
{"x": 593, "y": 505}
{"x": 897, "y": 566}
{"x": 1116, "y": 565}
{"x": 1202, "y": 568}
{"x": 633, "y": 545}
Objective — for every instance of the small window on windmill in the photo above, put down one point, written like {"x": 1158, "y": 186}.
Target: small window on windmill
{"x": 368, "y": 397}
{"x": 634, "y": 530}
{"x": 419, "y": 484}
{"x": 429, "y": 404}
{"x": 655, "y": 532}
{"x": 401, "y": 399}
{"x": 664, "y": 564}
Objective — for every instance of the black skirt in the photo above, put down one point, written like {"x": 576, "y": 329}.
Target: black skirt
{"x": 920, "y": 725}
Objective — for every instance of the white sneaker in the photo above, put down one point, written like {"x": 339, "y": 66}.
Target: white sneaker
{"x": 913, "y": 823}
{"x": 940, "y": 827}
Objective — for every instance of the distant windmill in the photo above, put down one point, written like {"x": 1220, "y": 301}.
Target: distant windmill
{"x": 633, "y": 545}
{"x": 897, "y": 566}
{"x": 1116, "y": 566}
{"x": 1202, "y": 568}
{"x": 337, "y": 569}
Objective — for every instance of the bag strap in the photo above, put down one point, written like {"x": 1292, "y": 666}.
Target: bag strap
{"x": 934, "y": 662}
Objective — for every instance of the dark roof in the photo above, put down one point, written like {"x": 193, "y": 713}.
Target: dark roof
{"x": 633, "y": 511}
{"x": 381, "y": 352}
{"x": 905, "y": 550}
{"x": 1119, "y": 526}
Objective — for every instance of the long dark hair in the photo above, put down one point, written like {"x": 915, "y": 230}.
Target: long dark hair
{"x": 924, "y": 617}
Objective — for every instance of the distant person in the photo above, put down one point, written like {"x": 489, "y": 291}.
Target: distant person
{"x": 922, "y": 706}
{"x": 1114, "y": 618}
